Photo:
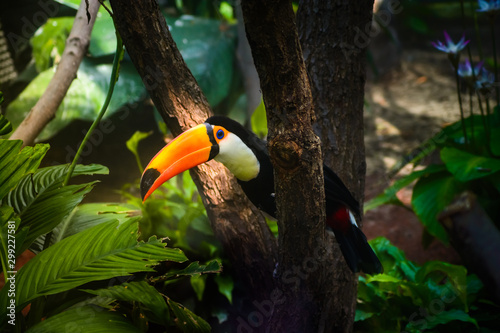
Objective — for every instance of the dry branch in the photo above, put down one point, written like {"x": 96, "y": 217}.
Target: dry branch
{"x": 76, "y": 47}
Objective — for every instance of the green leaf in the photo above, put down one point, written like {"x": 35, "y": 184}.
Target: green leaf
{"x": 88, "y": 215}
{"x": 465, "y": 166}
{"x": 103, "y": 37}
{"x": 457, "y": 275}
{"x": 84, "y": 97}
{"x": 225, "y": 284}
{"x": 431, "y": 194}
{"x": 259, "y": 120}
{"x": 443, "y": 317}
{"x": 389, "y": 194}
{"x": 140, "y": 292}
{"x": 102, "y": 252}
{"x": 208, "y": 50}
{"x": 42, "y": 203}
{"x": 5, "y": 125}
{"x": 393, "y": 259}
{"x": 187, "y": 321}
{"x": 15, "y": 164}
{"x": 133, "y": 144}
{"x": 49, "y": 41}
{"x": 194, "y": 268}
{"x": 94, "y": 319}
{"x": 198, "y": 285}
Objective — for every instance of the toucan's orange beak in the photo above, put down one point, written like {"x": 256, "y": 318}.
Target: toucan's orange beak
{"x": 193, "y": 147}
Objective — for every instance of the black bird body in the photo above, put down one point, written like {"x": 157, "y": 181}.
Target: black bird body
{"x": 338, "y": 200}
{"x": 243, "y": 150}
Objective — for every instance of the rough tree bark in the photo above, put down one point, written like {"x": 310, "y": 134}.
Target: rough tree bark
{"x": 237, "y": 224}
{"x": 296, "y": 155}
{"x": 76, "y": 47}
{"x": 334, "y": 38}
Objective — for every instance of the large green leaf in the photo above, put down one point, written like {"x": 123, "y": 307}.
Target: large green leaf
{"x": 41, "y": 201}
{"x": 187, "y": 321}
{"x": 466, "y": 166}
{"x": 208, "y": 50}
{"x": 141, "y": 292}
{"x": 84, "y": 97}
{"x": 389, "y": 194}
{"x": 103, "y": 38}
{"x": 15, "y": 163}
{"x": 442, "y": 317}
{"x": 88, "y": 215}
{"x": 102, "y": 252}
{"x": 92, "y": 319}
{"x": 49, "y": 41}
{"x": 431, "y": 194}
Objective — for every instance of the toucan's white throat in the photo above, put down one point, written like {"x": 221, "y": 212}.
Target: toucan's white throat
{"x": 238, "y": 158}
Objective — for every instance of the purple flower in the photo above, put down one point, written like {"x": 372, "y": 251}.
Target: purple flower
{"x": 488, "y": 5}
{"x": 465, "y": 69}
{"x": 450, "y": 47}
{"x": 485, "y": 81}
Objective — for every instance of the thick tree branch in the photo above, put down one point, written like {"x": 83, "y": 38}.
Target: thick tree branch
{"x": 335, "y": 63}
{"x": 476, "y": 239}
{"x": 296, "y": 156}
{"x": 76, "y": 47}
{"x": 237, "y": 224}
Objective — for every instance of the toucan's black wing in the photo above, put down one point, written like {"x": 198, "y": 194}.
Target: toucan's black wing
{"x": 337, "y": 193}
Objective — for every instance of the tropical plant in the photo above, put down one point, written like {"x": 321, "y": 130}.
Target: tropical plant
{"x": 82, "y": 251}
{"x": 434, "y": 297}
{"x": 469, "y": 152}
{"x": 469, "y": 148}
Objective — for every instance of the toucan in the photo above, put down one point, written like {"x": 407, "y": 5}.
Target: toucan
{"x": 246, "y": 156}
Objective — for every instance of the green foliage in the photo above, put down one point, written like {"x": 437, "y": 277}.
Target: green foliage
{"x": 259, "y": 120}
{"x": 41, "y": 202}
{"x": 208, "y": 50}
{"x": 88, "y": 243}
{"x": 84, "y": 97}
{"x": 95, "y": 320}
{"x": 5, "y": 125}
{"x": 207, "y": 45}
{"x": 133, "y": 145}
{"x": 437, "y": 296}
{"x": 49, "y": 42}
{"x": 465, "y": 167}
{"x": 176, "y": 211}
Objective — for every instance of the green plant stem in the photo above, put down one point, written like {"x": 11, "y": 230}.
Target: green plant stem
{"x": 471, "y": 107}
{"x": 495, "y": 65}
{"x": 485, "y": 122}
{"x": 462, "y": 120}
{"x": 113, "y": 79}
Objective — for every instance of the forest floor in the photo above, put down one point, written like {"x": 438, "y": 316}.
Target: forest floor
{"x": 411, "y": 102}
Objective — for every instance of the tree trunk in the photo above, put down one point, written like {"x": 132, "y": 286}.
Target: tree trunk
{"x": 238, "y": 225}
{"x": 334, "y": 37}
{"x": 296, "y": 155}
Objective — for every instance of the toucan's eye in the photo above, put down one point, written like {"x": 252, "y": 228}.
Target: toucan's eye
{"x": 220, "y": 134}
